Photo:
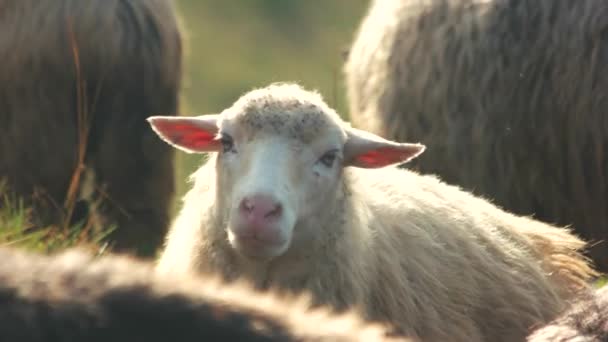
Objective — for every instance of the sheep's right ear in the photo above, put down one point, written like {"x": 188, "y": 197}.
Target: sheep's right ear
{"x": 190, "y": 134}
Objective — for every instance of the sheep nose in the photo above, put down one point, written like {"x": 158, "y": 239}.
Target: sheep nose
{"x": 260, "y": 208}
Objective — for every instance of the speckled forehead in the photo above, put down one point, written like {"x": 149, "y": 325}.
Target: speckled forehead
{"x": 291, "y": 119}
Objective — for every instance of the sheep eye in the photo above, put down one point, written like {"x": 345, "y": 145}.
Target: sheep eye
{"x": 227, "y": 142}
{"x": 329, "y": 158}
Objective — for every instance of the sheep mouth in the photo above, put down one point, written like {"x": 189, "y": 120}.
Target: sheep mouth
{"x": 255, "y": 247}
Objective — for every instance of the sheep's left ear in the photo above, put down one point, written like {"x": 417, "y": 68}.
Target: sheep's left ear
{"x": 366, "y": 150}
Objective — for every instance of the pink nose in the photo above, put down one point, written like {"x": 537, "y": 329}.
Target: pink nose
{"x": 259, "y": 210}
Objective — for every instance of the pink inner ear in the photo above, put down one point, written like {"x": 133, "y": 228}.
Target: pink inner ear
{"x": 187, "y": 135}
{"x": 384, "y": 156}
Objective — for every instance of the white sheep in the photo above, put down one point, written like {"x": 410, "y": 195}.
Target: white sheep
{"x": 297, "y": 200}
{"x": 73, "y": 296}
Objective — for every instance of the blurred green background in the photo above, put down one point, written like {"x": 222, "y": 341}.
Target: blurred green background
{"x": 234, "y": 46}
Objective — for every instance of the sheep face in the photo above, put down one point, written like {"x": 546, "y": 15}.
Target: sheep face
{"x": 281, "y": 151}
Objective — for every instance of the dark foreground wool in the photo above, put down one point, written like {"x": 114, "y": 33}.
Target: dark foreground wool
{"x": 509, "y": 97}
{"x": 75, "y": 297}
{"x": 587, "y": 321}
{"x": 87, "y": 73}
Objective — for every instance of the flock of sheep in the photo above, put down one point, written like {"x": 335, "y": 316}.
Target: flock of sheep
{"x": 449, "y": 211}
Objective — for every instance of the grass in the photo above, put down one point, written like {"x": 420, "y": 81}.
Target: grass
{"x": 17, "y": 230}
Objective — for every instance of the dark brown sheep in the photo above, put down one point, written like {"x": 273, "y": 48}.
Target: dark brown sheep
{"x": 86, "y": 74}
{"x": 509, "y": 97}
{"x": 75, "y": 297}
{"x": 586, "y": 320}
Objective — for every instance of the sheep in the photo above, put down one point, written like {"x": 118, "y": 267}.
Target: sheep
{"x": 77, "y": 81}
{"x": 586, "y": 320}
{"x": 294, "y": 200}
{"x": 508, "y": 95}
{"x": 73, "y": 296}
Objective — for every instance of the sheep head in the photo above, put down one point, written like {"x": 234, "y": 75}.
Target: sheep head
{"x": 280, "y": 155}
